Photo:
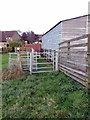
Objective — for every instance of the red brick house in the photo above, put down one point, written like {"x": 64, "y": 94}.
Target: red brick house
{"x": 36, "y": 47}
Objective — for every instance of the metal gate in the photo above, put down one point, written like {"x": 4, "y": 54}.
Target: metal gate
{"x": 35, "y": 62}
{"x": 40, "y": 63}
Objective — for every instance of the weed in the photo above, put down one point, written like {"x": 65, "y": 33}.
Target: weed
{"x": 12, "y": 73}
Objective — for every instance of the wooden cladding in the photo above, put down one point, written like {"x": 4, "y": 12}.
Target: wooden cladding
{"x": 74, "y": 58}
{"x": 88, "y": 61}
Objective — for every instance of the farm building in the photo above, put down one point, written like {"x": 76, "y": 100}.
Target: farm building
{"x": 71, "y": 38}
{"x": 64, "y": 30}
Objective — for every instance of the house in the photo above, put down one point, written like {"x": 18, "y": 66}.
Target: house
{"x": 12, "y": 35}
{"x": 7, "y": 36}
{"x": 35, "y": 46}
{"x": 3, "y": 42}
{"x": 65, "y": 30}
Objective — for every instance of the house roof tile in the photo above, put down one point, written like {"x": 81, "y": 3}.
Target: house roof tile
{"x": 9, "y": 33}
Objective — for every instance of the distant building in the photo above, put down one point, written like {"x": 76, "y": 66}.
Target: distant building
{"x": 7, "y": 36}
{"x": 12, "y": 36}
{"x": 36, "y": 46}
{"x": 3, "y": 42}
{"x": 65, "y": 30}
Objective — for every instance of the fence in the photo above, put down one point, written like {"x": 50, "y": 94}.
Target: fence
{"x": 34, "y": 62}
{"x": 23, "y": 49}
{"x": 15, "y": 61}
{"x": 74, "y": 58}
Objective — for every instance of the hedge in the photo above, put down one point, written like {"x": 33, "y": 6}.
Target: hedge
{"x": 6, "y": 49}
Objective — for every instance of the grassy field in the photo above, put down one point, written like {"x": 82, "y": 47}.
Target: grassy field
{"x": 5, "y": 61}
{"x": 46, "y": 95}
{"x": 0, "y": 62}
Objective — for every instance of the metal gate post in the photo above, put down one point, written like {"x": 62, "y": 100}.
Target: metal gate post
{"x": 56, "y": 62}
{"x": 9, "y": 61}
{"x": 27, "y": 58}
{"x": 53, "y": 60}
{"x": 30, "y": 63}
{"x": 36, "y": 60}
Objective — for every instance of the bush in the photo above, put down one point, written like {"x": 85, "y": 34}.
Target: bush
{"x": 7, "y": 49}
{"x": 4, "y": 50}
{"x": 14, "y": 44}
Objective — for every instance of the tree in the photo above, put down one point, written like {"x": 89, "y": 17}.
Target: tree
{"x": 30, "y": 37}
{"x": 14, "y": 44}
{"x": 24, "y": 37}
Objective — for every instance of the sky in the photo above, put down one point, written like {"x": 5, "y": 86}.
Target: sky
{"x": 38, "y": 15}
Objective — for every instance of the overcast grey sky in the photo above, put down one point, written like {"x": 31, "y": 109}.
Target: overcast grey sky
{"x": 38, "y": 15}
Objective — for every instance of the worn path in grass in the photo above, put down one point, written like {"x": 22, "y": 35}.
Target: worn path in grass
{"x": 46, "y": 95}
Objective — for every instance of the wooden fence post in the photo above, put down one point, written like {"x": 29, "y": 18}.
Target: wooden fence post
{"x": 19, "y": 61}
{"x": 88, "y": 57}
{"x": 68, "y": 52}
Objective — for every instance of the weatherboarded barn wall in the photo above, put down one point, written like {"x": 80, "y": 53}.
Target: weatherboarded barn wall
{"x": 73, "y": 28}
{"x": 73, "y": 48}
{"x": 64, "y": 30}
{"x": 51, "y": 39}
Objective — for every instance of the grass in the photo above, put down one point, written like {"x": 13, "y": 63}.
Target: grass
{"x": 5, "y": 61}
{"x": 0, "y": 62}
{"x": 46, "y": 95}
